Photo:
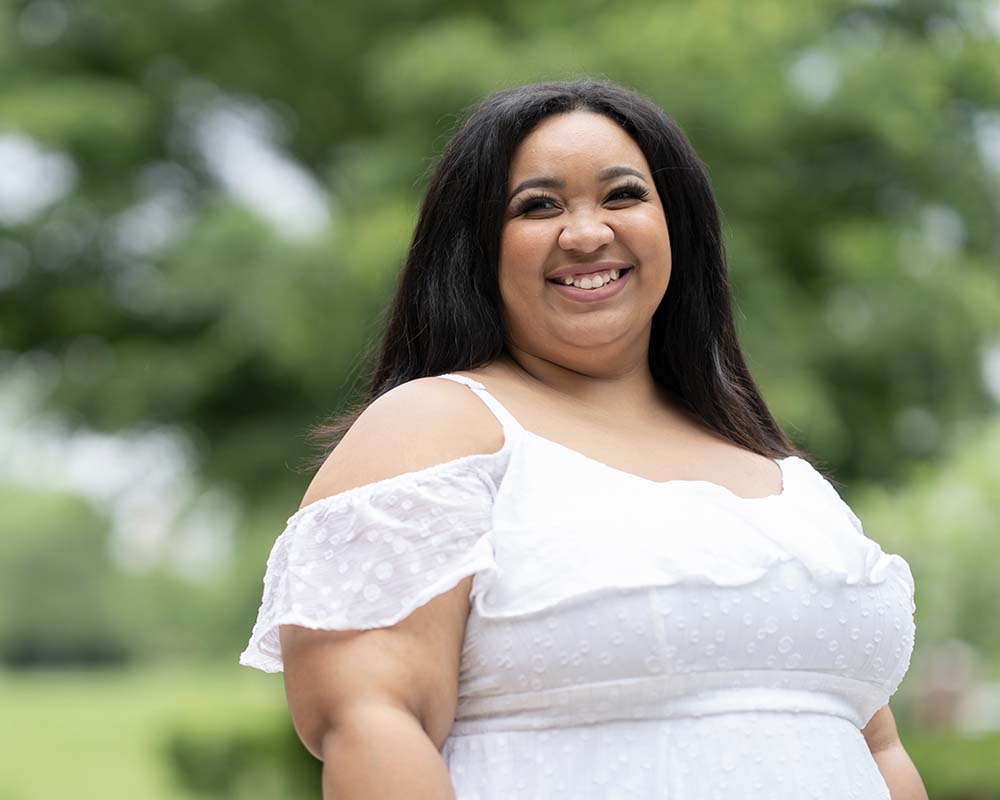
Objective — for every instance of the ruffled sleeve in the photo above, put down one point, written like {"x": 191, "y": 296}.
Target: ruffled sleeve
{"x": 370, "y": 556}
{"x": 878, "y": 563}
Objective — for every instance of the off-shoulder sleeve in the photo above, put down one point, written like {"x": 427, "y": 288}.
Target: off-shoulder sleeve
{"x": 369, "y": 556}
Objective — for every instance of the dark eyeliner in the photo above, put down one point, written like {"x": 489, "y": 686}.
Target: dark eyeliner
{"x": 531, "y": 202}
{"x": 632, "y": 188}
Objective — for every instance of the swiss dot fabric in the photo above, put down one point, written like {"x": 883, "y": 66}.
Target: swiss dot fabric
{"x": 627, "y": 638}
{"x": 366, "y": 558}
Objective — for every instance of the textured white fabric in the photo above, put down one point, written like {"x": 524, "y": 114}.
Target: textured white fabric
{"x": 367, "y": 557}
{"x": 627, "y": 638}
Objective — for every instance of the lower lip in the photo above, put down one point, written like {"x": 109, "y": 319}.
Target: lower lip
{"x": 593, "y": 295}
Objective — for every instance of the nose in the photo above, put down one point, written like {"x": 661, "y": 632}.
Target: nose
{"x": 585, "y": 233}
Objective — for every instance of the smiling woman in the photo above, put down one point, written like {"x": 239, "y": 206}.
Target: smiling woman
{"x": 600, "y": 218}
{"x": 563, "y": 549}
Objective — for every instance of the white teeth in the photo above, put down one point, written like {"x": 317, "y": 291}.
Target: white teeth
{"x": 592, "y": 281}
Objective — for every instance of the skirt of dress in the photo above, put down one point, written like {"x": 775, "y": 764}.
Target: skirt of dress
{"x": 758, "y": 755}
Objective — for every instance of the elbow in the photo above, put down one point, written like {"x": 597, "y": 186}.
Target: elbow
{"x": 354, "y": 725}
{"x": 438, "y": 718}
{"x": 318, "y": 727}
{"x": 313, "y": 733}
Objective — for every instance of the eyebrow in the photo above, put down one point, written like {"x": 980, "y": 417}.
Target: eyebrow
{"x": 549, "y": 182}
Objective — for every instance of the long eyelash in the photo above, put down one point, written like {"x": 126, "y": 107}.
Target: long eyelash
{"x": 632, "y": 188}
{"x": 531, "y": 202}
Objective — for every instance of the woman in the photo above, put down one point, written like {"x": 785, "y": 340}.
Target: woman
{"x": 565, "y": 550}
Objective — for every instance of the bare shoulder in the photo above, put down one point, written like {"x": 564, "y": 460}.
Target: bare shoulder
{"x": 418, "y": 424}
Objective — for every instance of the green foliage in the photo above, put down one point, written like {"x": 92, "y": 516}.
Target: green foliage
{"x": 256, "y": 757}
{"x": 860, "y": 223}
{"x": 104, "y": 123}
{"x": 956, "y": 767}
{"x": 943, "y": 520}
{"x": 63, "y": 602}
{"x": 854, "y": 307}
{"x": 110, "y": 731}
{"x": 58, "y": 590}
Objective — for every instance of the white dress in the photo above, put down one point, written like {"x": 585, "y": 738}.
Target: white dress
{"x": 627, "y": 638}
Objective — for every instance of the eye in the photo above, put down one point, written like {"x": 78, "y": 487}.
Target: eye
{"x": 532, "y": 203}
{"x": 631, "y": 190}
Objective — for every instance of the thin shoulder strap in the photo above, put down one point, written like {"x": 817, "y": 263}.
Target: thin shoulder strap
{"x": 511, "y": 427}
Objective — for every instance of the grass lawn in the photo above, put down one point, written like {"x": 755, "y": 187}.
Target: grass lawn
{"x": 99, "y": 734}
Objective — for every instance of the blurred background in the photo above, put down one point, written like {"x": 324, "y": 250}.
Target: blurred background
{"x": 204, "y": 205}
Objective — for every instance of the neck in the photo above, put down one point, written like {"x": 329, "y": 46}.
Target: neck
{"x": 620, "y": 389}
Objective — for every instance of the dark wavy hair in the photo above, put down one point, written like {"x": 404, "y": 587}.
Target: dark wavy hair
{"x": 446, "y": 312}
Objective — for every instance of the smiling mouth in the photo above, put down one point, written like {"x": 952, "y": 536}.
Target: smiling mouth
{"x": 562, "y": 282}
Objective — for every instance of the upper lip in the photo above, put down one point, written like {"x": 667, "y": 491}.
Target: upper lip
{"x": 587, "y": 269}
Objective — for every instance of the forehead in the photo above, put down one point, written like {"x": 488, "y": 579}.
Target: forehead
{"x": 574, "y": 141}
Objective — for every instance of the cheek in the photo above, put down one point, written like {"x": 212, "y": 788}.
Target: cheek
{"x": 524, "y": 249}
{"x": 525, "y": 238}
{"x": 663, "y": 245}
{"x": 648, "y": 234}
{"x": 648, "y": 240}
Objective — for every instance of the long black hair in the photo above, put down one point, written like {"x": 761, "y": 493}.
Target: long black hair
{"x": 445, "y": 315}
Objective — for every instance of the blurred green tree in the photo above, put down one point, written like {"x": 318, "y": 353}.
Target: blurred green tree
{"x": 853, "y": 148}
{"x": 58, "y": 588}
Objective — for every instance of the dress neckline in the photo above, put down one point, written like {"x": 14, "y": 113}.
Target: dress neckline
{"x": 711, "y": 485}
{"x": 511, "y": 425}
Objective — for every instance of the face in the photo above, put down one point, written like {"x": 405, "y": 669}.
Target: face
{"x": 581, "y": 196}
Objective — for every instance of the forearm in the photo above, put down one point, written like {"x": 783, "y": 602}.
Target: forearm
{"x": 383, "y": 755}
{"x": 900, "y": 774}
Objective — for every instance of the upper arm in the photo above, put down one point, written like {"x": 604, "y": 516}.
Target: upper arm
{"x": 880, "y": 732}
{"x": 414, "y": 663}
